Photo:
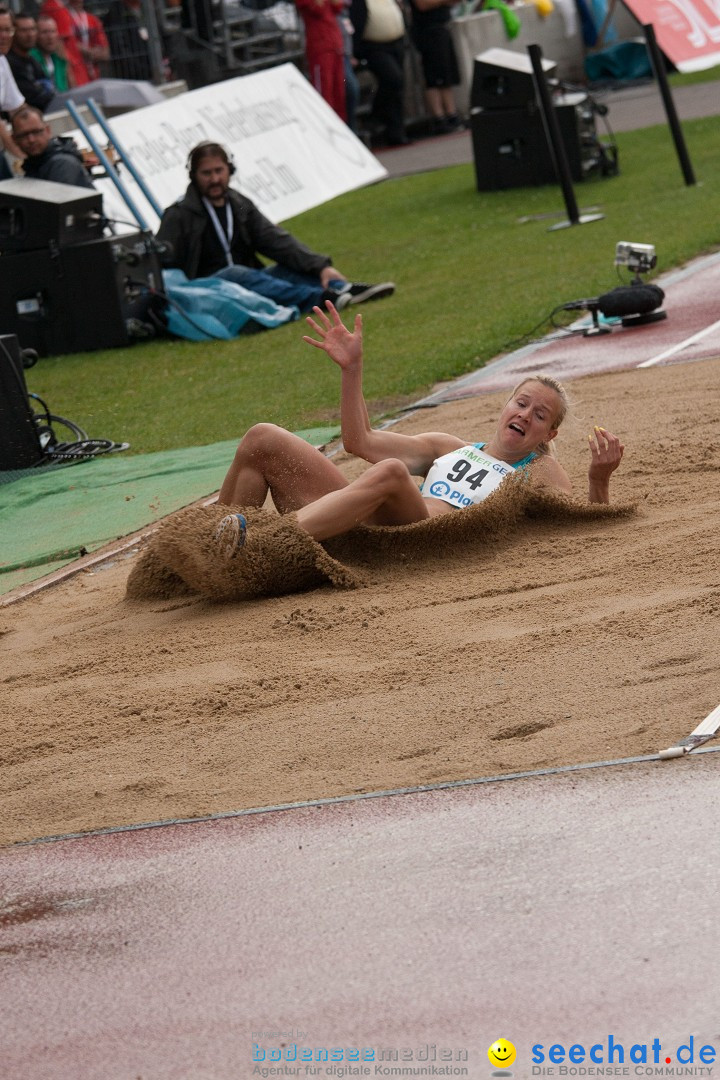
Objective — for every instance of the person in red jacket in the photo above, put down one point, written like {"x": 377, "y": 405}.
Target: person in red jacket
{"x": 82, "y": 35}
{"x": 325, "y": 50}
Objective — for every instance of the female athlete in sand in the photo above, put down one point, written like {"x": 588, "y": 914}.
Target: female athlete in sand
{"x": 457, "y": 474}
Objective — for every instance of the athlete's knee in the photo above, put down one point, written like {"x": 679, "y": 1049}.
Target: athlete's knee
{"x": 390, "y": 474}
{"x": 261, "y": 440}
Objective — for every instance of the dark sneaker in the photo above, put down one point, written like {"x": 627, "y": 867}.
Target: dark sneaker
{"x": 230, "y": 535}
{"x": 357, "y": 292}
{"x": 339, "y": 299}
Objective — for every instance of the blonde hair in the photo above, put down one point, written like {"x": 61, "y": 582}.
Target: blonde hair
{"x": 552, "y": 384}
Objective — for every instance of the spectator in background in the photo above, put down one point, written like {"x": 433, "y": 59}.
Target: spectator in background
{"x": 213, "y": 230}
{"x": 50, "y": 54}
{"x": 352, "y": 86}
{"x": 324, "y": 50}
{"x": 10, "y": 97}
{"x": 433, "y": 40}
{"x": 128, "y": 40}
{"x": 380, "y": 41}
{"x": 32, "y": 82}
{"x": 55, "y": 159}
{"x": 82, "y": 36}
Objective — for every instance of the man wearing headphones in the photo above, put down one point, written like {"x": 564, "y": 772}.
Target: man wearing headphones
{"x": 213, "y": 230}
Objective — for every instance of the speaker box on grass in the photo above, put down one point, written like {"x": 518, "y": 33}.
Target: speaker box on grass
{"x": 503, "y": 79}
{"x": 77, "y": 298}
{"x": 19, "y": 443}
{"x": 510, "y": 147}
{"x": 37, "y": 213}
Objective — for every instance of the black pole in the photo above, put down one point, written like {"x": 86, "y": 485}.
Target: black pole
{"x": 552, "y": 133}
{"x": 659, "y": 69}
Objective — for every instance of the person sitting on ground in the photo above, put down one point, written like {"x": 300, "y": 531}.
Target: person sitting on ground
{"x": 32, "y": 82}
{"x": 47, "y": 158}
{"x": 50, "y": 54}
{"x": 213, "y": 230}
{"x": 457, "y": 473}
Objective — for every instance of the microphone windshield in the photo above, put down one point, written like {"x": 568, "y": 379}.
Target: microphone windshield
{"x": 630, "y": 300}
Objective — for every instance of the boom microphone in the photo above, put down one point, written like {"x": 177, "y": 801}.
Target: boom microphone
{"x": 634, "y": 304}
{"x": 630, "y": 300}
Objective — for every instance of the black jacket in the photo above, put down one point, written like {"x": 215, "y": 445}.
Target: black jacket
{"x": 32, "y": 82}
{"x": 185, "y": 223}
{"x": 128, "y": 45}
{"x": 60, "y": 162}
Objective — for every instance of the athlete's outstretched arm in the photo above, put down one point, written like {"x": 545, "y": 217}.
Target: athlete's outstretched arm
{"x": 345, "y": 348}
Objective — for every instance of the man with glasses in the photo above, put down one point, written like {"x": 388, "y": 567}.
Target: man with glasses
{"x": 31, "y": 80}
{"x": 10, "y": 97}
{"x": 46, "y": 157}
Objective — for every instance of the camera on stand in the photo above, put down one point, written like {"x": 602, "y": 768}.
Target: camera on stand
{"x": 635, "y": 304}
{"x": 639, "y": 258}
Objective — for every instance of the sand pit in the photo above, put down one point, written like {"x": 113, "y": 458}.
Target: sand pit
{"x": 570, "y": 642}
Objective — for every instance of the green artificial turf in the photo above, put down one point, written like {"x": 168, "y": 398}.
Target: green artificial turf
{"x": 470, "y": 278}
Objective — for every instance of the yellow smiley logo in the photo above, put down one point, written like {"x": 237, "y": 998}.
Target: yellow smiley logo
{"x": 501, "y": 1053}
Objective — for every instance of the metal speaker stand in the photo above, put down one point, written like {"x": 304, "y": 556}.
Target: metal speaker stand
{"x": 596, "y": 329}
{"x": 556, "y": 146}
{"x": 658, "y": 67}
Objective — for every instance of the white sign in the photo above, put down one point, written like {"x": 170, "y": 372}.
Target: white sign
{"x": 291, "y": 150}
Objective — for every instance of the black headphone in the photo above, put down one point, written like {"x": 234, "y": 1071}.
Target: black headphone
{"x": 208, "y": 149}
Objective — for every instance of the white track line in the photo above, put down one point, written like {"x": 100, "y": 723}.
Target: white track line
{"x": 705, "y": 730}
{"x": 682, "y": 345}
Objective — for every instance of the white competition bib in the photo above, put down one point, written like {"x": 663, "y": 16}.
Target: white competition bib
{"x": 465, "y": 477}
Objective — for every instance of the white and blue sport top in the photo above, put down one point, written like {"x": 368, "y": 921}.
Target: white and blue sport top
{"x": 466, "y": 477}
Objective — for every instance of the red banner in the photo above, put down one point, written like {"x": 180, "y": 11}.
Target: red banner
{"x": 687, "y": 31}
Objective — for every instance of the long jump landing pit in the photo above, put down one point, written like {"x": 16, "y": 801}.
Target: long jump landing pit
{"x": 566, "y": 643}
{"x": 569, "y": 910}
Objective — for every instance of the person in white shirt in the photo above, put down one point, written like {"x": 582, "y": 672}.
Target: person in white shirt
{"x": 379, "y": 41}
{"x": 10, "y": 97}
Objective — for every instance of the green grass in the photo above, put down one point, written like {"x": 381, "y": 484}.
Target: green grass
{"x": 689, "y": 78}
{"x": 470, "y": 278}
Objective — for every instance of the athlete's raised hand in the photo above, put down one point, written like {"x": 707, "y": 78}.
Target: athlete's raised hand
{"x": 341, "y": 345}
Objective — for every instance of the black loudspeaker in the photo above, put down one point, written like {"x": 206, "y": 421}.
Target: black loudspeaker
{"x": 77, "y": 298}
{"x": 503, "y": 79}
{"x": 35, "y": 214}
{"x": 19, "y": 443}
{"x": 510, "y": 147}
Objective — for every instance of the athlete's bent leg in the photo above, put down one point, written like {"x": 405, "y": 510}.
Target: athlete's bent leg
{"x": 271, "y": 459}
{"x": 385, "y": 494}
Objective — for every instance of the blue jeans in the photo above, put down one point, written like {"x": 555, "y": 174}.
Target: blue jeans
{"x": 286, "y": 287}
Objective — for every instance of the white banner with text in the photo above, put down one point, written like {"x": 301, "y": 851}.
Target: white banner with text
{"x": 291, "y": 150}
